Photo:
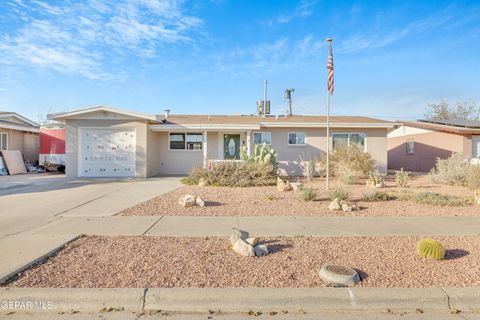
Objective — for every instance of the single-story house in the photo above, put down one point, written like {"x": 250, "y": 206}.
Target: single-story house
{"x": 108, "y": 142}
{"x": 416, "y": 145}
{"x": 19, "y": 133}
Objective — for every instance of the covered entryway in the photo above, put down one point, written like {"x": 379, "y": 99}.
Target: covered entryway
{"x": 107, "y": 152}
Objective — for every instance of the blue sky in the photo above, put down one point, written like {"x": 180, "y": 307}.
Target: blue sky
{"x": 391, "y": 58}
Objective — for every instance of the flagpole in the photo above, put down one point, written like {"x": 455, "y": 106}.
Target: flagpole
{"x": 329, "y": 40}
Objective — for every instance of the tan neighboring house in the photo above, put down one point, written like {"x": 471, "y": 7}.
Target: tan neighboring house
{"x": 19, "y": 133}
{"x": 416, "y": 145}
{"x": 109, "y": 142}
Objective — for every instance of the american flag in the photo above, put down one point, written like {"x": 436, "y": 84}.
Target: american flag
{"x": 330, "y": 69}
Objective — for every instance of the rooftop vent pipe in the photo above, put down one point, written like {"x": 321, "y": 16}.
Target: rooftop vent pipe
{"x": 167, "y": 113}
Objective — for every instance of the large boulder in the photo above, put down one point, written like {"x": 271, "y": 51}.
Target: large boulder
{"x": 261, "y": 250}
{"x": 348, "y": 207}
{"x": 243, "y": 248}
{"x": 283, "y": 185}
{"x": 238, "y": 234}
{"x": 335, "y": 205}
{"x": 187, "y": 201}
{"x": 297, "y": 186}
{"x": 199, "y": 202}
{"x": 252, "y": 241}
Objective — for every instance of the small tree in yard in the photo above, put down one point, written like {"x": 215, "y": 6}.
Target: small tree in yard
{"x": 463, "y": 110}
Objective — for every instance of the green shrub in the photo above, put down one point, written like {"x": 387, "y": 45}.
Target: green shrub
{"x": 309, "y": 194}
{"x": 431, "y": 249}
{"x": 348, "y": 164}
{"x": 401, "y": 178}
{"x": 375, "y": 179}
{"x": 473, "y": 177}
{"x": 452, "y": 170}
{"x": 434, "y": 199}
{"x": 338, "y": 193}
{"x": 235, "y": 174}
{"x": 375, "y": 195}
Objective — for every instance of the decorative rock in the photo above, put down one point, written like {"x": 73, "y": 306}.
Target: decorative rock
{"x": 202, "y": 182}
{"x": 199, "y": 202}
{"x": 338, "y": 275}
{"x": 347, "y": 207}
{"x": 297, "y": 186}
{"x": 477, "y": 196}
{"x": 261, "y": 250}
{"x": 237, "y": 234}
{"x": 283, "y": 185}
{"x": 243, "y": 248}
{"x": 335, "y": 205}
{"x": 187, "y": 201}
{"x": 252, "y": 241}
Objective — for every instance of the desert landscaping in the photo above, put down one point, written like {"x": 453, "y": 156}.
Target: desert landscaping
{"x": 135, "y": 262}
{"x": 269, "y": 201}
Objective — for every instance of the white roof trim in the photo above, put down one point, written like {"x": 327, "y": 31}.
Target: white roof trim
{"x": 66, "y": 115}
{"x": 171, "y": 127}
{"x": 20, "y": 117}
{"x": 324, "y": 125}
{"x": 19, "y": 127}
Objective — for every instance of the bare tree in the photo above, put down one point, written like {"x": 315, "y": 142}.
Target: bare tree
{"x": 463, "y": 110}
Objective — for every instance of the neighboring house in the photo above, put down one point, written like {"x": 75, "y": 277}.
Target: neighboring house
{"x": 19, "y": 133}
{"x": 107, "y": 142}
{"x": 416, "y": 145}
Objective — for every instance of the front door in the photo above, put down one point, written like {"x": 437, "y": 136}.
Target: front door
{"x": 231, "y": 146}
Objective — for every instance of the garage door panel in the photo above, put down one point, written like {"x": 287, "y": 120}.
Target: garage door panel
{"x": 107, "y": 153}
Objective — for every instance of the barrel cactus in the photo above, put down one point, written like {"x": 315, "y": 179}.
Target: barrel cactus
{"x": 430, "y": 248}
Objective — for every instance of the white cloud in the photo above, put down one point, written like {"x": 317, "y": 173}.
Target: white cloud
{"x": 80, "y": 37}
{"x": 379, "y": 39}
{"x": 304, "y": 9}
{"x": 269, "y": 57}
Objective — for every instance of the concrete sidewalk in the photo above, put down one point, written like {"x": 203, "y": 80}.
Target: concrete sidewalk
{"x": 263, "y": 226}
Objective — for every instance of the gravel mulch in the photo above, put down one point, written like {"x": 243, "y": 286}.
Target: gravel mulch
{"x": 267, "y": 201}
{"x": 142, "y": 261}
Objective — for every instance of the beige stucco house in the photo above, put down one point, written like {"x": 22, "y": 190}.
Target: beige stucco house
{"x": 19, "y": 133}
{"x": 109, "y": 142}
{"x": 416, "y": 145}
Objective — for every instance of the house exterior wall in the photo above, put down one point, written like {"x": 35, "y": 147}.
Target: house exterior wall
{"x": 289, "y": 156}
{"x": 429, "y": 146}
{"x": 26, "y": 142}
{"x": 72, "y": 145}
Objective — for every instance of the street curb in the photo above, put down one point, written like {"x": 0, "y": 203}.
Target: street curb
{"x": 11, "y": 274}
{"x": 296, "y": 299}
{"x": 71, "y": 300}
{"x": 238, "y": 300}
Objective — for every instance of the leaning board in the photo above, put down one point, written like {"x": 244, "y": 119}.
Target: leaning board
{"x": 14, "y": 161}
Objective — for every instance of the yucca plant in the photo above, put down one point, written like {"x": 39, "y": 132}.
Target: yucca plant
{"x": 401, "y": 178}
{"x": 431, "y": 249}
{"x": 309, "y": 194}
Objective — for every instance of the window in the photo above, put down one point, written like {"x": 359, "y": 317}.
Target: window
{"x": 296, "y": 138}
{"x": 186, "y": 141}
{"x": 262, "y": 137}
{"x": 3, "y": 141}
{"x": 343, "y": 140}
{"x": 410, "y": 146}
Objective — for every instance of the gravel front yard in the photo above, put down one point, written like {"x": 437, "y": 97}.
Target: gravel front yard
{"x": 143, "y": 261}
{"x": 267, "y": 201}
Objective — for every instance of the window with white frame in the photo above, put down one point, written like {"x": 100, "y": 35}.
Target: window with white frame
{"x": 343, "y": 140}
{"x": 185, "y": 141}
{"x": 3, "y": 141}
{"x": 410, "y": 146}
{"x": 262, "y": 137}
{"x": 296, "y": 138}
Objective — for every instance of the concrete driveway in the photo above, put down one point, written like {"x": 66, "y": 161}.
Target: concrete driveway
{"x": 30, "y": 201}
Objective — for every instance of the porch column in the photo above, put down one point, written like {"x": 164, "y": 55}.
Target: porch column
{"x": 205, "y": 149}
{"x": 249, "y": 143}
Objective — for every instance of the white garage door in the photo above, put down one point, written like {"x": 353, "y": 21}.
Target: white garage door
{"x": 107, "y": 152}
